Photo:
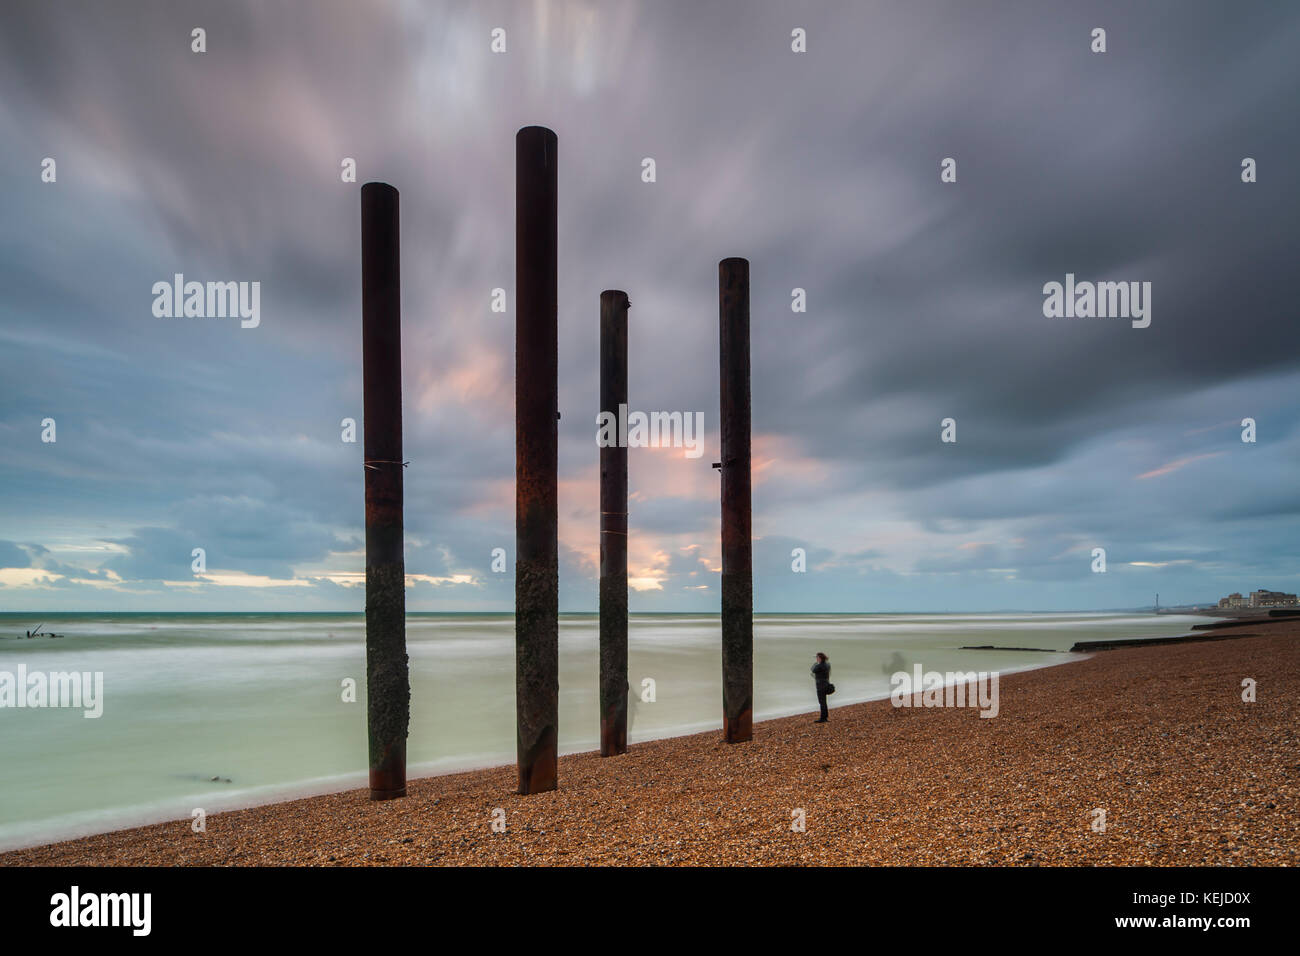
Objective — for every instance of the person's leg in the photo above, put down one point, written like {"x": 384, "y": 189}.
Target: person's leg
{"x": 821, "y": 699}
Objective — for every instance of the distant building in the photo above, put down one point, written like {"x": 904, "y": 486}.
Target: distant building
{"x": 1264, "y": 598}
{"x": 1261, "y": 598}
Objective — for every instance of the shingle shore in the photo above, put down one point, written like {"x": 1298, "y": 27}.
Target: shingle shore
{"x": 1158, "y": 737}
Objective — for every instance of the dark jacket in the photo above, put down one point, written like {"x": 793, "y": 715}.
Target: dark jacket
{"x": 821, "y": 672}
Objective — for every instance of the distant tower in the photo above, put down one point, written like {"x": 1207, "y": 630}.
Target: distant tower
{"x": 1157, "y": 602}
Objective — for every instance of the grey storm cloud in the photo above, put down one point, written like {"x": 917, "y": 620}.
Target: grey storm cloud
{"x": 12, "y": 556}
{"x": 924, "y": 299}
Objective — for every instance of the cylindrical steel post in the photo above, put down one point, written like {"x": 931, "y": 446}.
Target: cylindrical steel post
{"x": 537, "y": 581}
{"x": 613, "y": 529}
{"x": 737, "y": 545}
{"x": 388, "y": 687}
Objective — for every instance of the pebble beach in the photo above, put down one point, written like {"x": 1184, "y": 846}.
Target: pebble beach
{"x": 1158, "y": 737}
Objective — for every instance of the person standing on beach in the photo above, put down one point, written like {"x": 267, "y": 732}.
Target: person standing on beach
{"x": 821, "y": 672}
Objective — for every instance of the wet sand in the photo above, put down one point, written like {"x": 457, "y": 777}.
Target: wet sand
{"x": 1158, "y": 737}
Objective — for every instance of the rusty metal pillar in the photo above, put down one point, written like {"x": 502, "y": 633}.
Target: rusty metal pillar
{"x": 737, "y": 545}
{"x": 537, "y": 579}
{"x": 388, "y": 686}
{"x": 613, "y": 530}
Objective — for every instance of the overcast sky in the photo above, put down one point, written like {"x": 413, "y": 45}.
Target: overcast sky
{"x": 924, "y": 298}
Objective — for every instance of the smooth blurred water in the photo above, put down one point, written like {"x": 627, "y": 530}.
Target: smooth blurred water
{"x": 257, "y": 698}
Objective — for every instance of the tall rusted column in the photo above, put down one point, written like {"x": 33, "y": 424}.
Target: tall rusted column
{"x": 537, "y": 579}
{"x": 388, "y": 686}
{"x": 613, "y": 530}
{"x": 737, "y": 546}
